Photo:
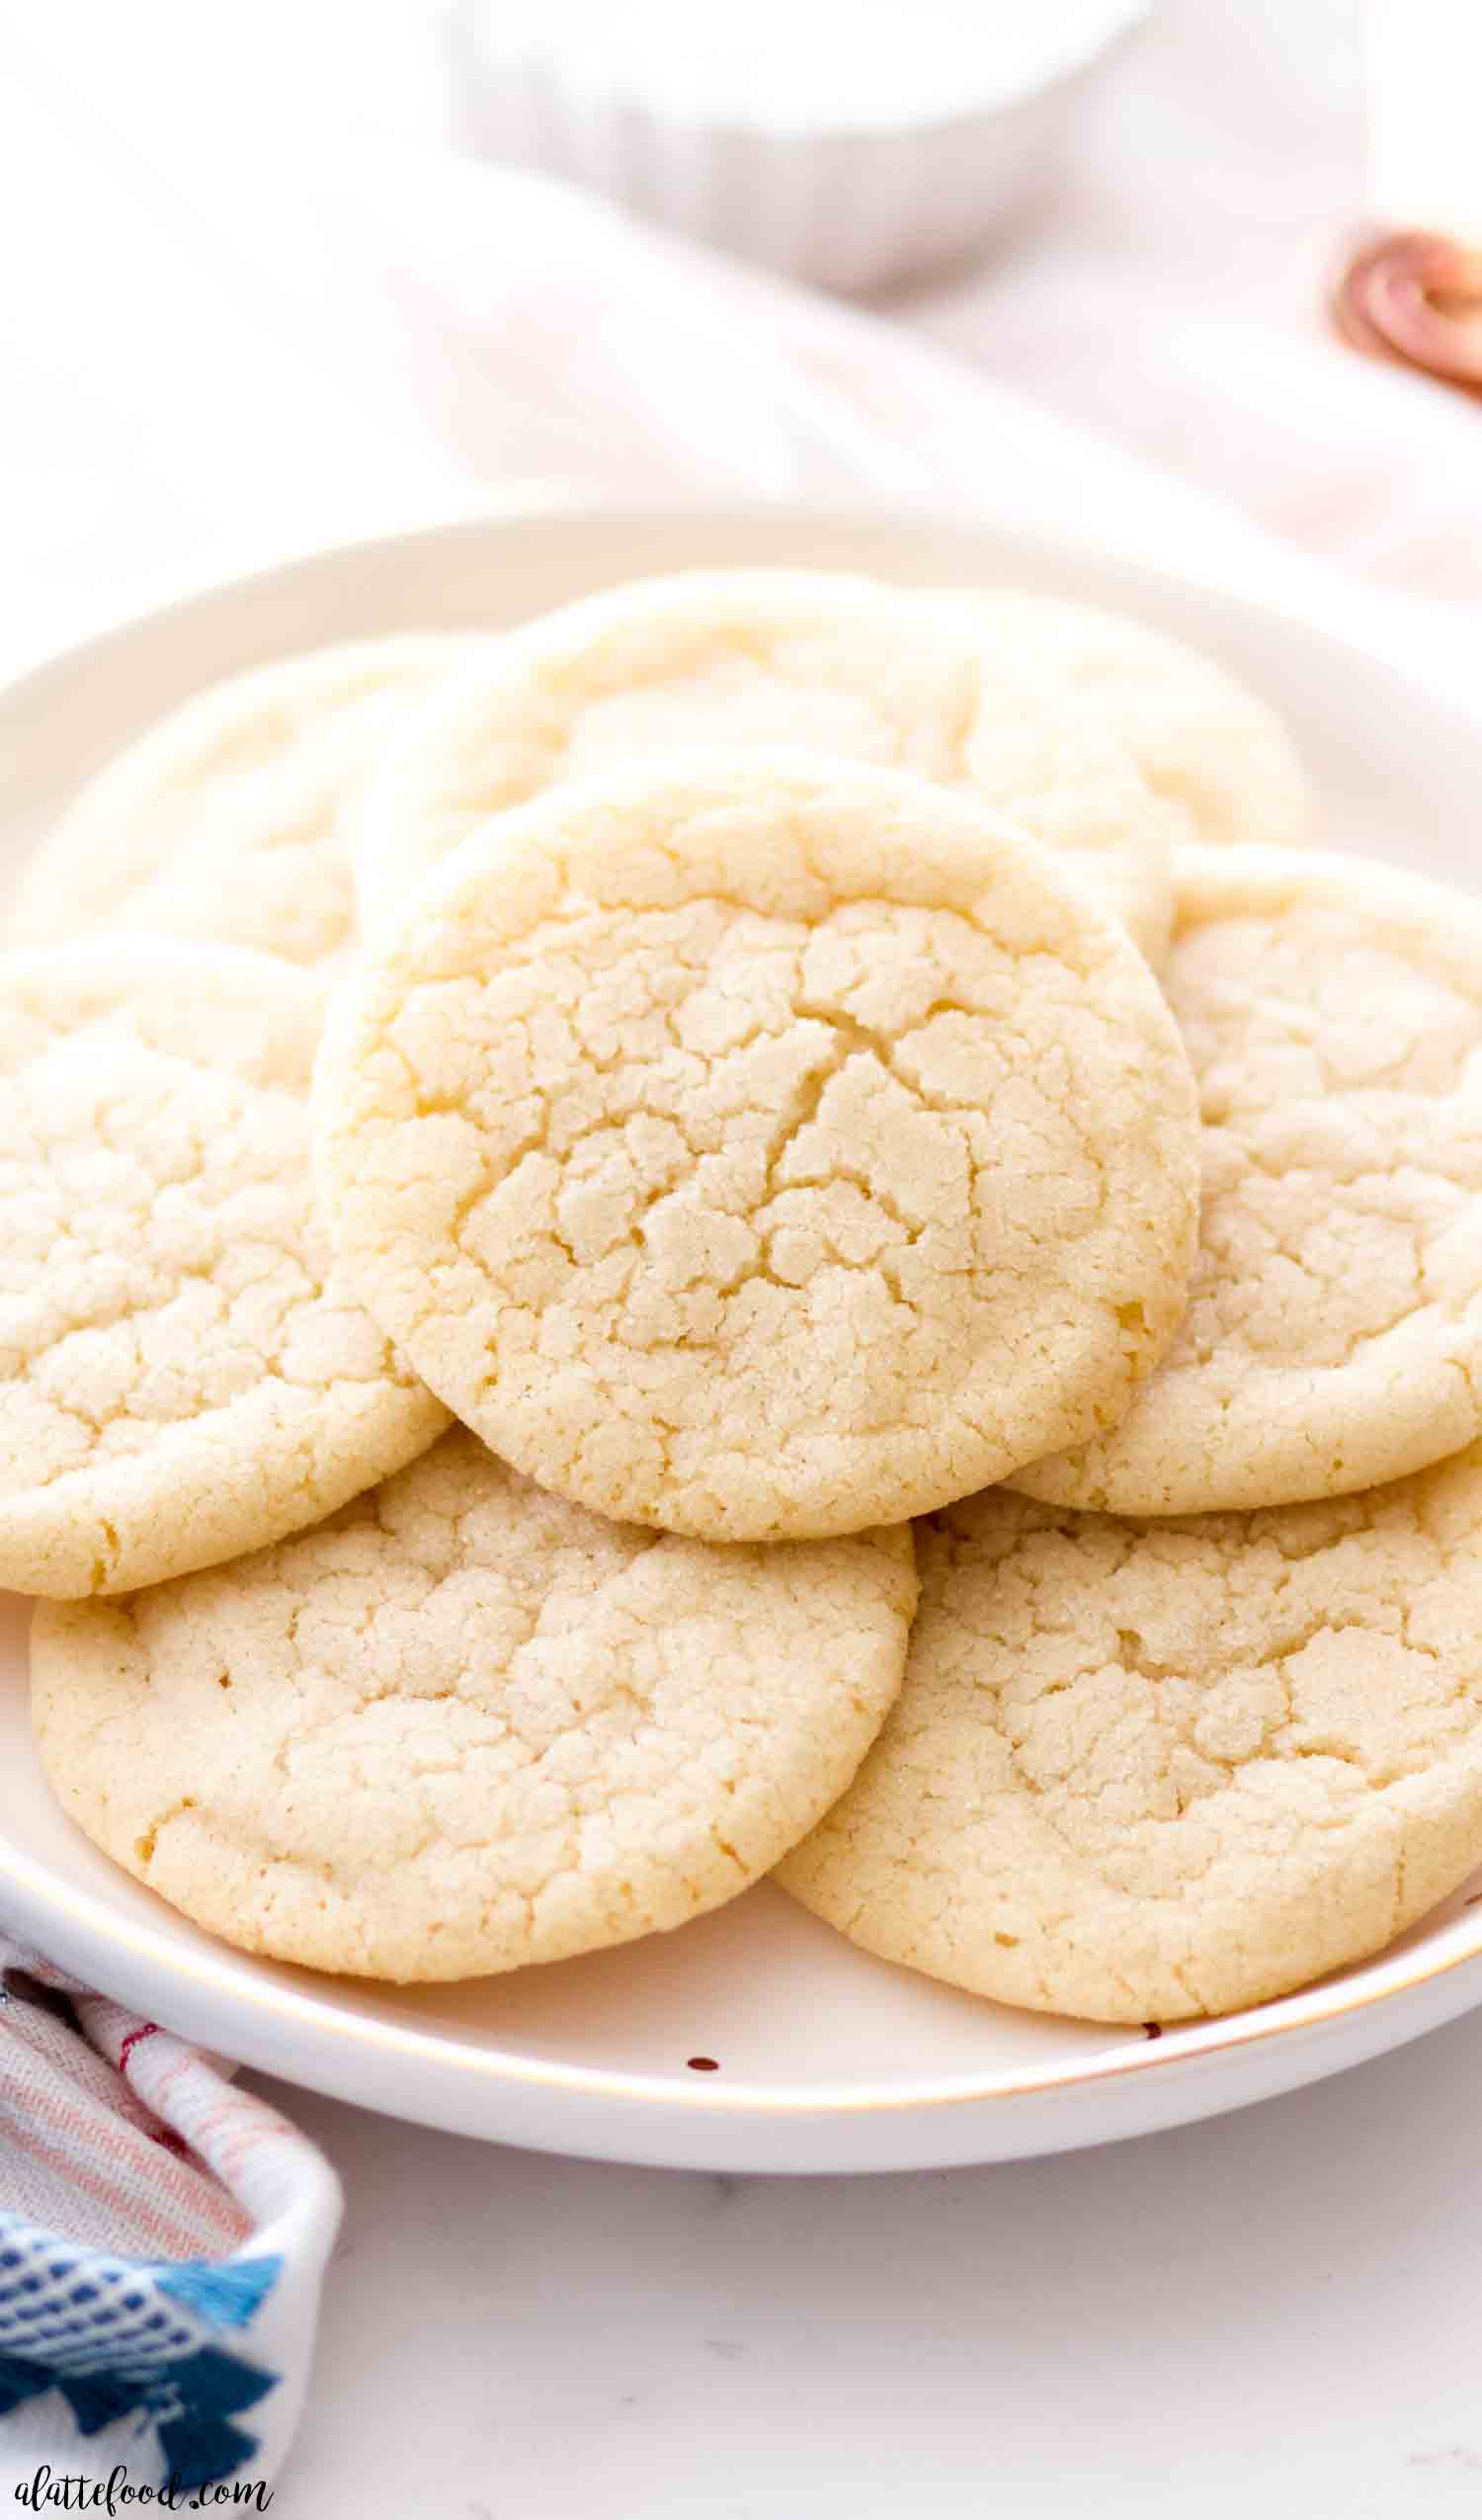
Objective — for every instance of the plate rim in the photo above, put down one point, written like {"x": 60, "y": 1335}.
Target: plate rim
{"x": 1325, "y": 2004}
{"x": 1298, "y": 608}
{"x": 1204, "y": 2043}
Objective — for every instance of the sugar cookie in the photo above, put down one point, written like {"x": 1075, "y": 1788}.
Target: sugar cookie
{"x": 225, "y": 821}
{"x": 762, "y": 657}
{"x": 1145, "y": 1770}
{"x": 180, "y": 1377}
{"x": 1332, "y": 1009}
{"x": 464, "y": 1725}
{"x": 761, "y": 1147}
{"x": 1205, "y": 744}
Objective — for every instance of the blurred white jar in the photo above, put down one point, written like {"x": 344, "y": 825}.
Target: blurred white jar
{"x": 846, "y": 142}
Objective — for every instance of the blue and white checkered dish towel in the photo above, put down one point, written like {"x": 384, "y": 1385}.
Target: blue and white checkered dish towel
{"x": 165, "y": 2340}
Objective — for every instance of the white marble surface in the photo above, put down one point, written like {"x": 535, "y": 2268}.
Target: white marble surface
{"x": 1279, "y": 2310}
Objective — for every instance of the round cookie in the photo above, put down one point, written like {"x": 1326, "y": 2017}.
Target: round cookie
{"x": 225, "y": 821}
{"x": 465, "y": 1726}
{"x": 1331, "y": 1010}
{"x": 1209, "y": 747}
{"x": 1140, "y": 1771}
{"x": 761, "y": 1147}
{"x": 181, "y": 1375}
{"x": 762, "y": 657}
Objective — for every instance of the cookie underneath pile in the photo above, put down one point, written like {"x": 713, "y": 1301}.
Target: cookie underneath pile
{"x": 773, "y": 1226}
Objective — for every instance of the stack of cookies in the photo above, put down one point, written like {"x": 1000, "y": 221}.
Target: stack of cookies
{"x": 770, "y": 1225}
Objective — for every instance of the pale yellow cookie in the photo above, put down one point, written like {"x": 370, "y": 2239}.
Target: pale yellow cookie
{"x": 761, "y": 1147}
{"x": 1214, "y": 751}
{"x": 225, "y": 820}
{"x": 1145, "y": 1770}
{"x": 764, "y": 656}
{"x": 182, "y": 1375}
{"x": 1332, "y": 1009}
{"x": 465, "y": 1726}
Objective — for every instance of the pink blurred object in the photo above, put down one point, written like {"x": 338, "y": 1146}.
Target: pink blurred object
{"x": 1418, "y": 298}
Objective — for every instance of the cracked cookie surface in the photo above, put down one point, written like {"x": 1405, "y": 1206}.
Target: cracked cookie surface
{"x": 764, "y": 656}
{"x": 180, "y": 1373}
{"x": 1141, "y": 1771}
{"x": 465, "y": 1726}
{"x": 762, "y": 1148}
{"x": 226, "y": 822}
{"x": 1331, "y": 1010}
{"x": 1215, "y": 752}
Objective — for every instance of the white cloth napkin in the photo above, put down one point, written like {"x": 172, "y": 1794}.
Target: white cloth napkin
{"x": 162, "y": 2240}
{"x": 199, "y": 374}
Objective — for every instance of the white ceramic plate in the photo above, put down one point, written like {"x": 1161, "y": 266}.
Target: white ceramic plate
{"x": 823, "y": 2060}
